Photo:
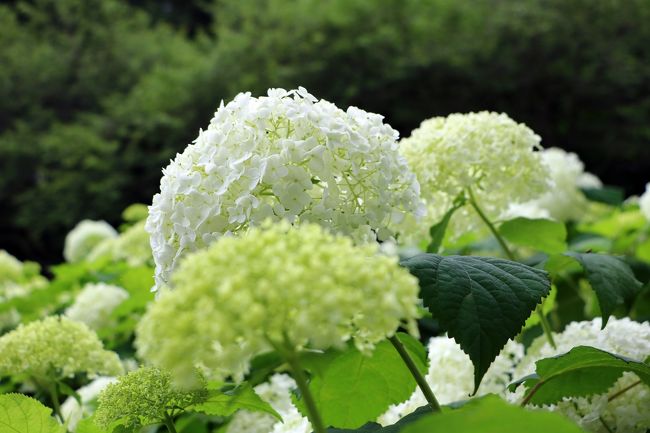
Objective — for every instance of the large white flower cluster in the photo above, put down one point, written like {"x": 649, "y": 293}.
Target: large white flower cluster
{"x": 627, "y": 413}
{"x": 644, "y": 202}
{"x": 95, "y": 303}
{"x": 564, "y": 201}
{"x": 277, "y": 393}
{"x": 286, "y": 156}
{"x": 81, "y": 240}
{"x": 489, "y": 153}
{"x": 451, "y": 376}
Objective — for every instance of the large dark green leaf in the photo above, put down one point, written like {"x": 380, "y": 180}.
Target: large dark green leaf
{"x": 580, "y": 372}
{"x": 481, "y": 302}
{"x": 612, "y": 280}
{"x": 491, "y": 414}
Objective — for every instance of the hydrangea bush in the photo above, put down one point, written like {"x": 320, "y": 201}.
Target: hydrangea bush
{"x": 313, "y": 287}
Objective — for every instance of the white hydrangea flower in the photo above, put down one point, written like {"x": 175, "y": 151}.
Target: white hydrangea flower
{"x": 644, "y": 202}
{"x": 628, "y": 413}
{"x": 564, "y": 201}
{"x": 84, "y": 237}
{"x": 486, "y": 152}
{"x": 276, "y": 392}
{"x": 451, "y": 376}
{"x": 73, "y": 412}
{"x": 95, "y": 303}
{"x": 286, "y": 156}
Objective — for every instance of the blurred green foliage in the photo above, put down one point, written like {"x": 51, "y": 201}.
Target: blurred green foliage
{"x": 97, "y": 95}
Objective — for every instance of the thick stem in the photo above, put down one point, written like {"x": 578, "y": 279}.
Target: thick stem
{"x": 472, "y": 200}
{"x": 169, "y": 423}
{"x": 301, "y": 380}
{"x": 419, "y": 378}
{"x": 54, "y": 394}
{"x": 546, "y": 327}
{"x": 488, "y": 223}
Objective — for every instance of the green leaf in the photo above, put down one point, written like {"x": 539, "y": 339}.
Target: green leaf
{"x": 373, "y": 427}
{"x": 437, "y": 231}
{"x": 491, "y": 414}
{"x": 481, "y": 302}
{"x": 540, "y": 234}
{"x": 612, "y": 280}
{"x": 22, "y": 414}
{"x": 580, "y": 372}
{"x": 228, "y": 402}
{"x": 607, "y": 194}
{"x": 88, "y": 425}
{"x": 353, "y": 388}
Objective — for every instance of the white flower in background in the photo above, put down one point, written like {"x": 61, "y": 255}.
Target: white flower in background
{"x": 282, "y": 156}
{"x": 451, "y": 376}
{"x": 276, "y": 392}
{"x": 84, "y": 237}
{"x": 489, "y": 153}
{"x": 644, "y": 202}
{"x": 17, "y": 279}
{"x": 564, "y": 201}
{"x": 73, "y": 412}
{"x": 95, "y": 303}
{"x": 131, "y": 246}
{"x": 627, "y": 413}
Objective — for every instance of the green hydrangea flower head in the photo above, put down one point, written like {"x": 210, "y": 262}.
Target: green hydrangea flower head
{"x": 131, "y": 246}
{"x": 489, "y": 153}
{"x": 55, "y": 347}
{"x": 275, "y": 285}
{"x": 142, "y": 397}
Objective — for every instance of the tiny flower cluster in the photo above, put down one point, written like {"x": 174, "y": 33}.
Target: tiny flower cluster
{"x": 277, "y": 285}
{"x": 143, "y": 397}
{"x": 55, "y": 347}
{"x": 95, "y": 303}
{"x": 487, "y": 153}
{"x": 284, "y": 156}
{"x": 84, "y": 237}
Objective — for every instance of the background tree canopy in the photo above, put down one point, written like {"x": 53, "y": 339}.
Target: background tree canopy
{"x": 97, "y": 95}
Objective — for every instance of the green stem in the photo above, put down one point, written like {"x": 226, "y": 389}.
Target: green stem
{"x": 54, "y": 395}
{"x": 623, "y": 391}
{"x": 472, "y": 200}
{"x": 169, "y": 423}
{"x": 546, "y": 326}
{"x": 488, "y": 223}
{"x": 301, "y": 380}
{"x": 419, "y": 378}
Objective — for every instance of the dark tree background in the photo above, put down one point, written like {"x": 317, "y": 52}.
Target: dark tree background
{"x": 97, "y": 95}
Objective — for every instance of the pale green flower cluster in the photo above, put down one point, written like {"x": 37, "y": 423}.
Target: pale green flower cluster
{"x": 486, "y": 152}
{"x": 55, "y": 347}
{"x": 84, "y": 237}
{"x": 283, "y": 156}
{"x": 17, "y": 279}
{"x": 95, "y": 303}
{"x": 627, "y": 413}
{"x": 275, "y": 286}
{"x": 451, "y": 376}
{"x": 644, "y": 202}
{"x": 131, "y": 246}
{"x": 141, "y": 397}
{"x": 564, "y": 201}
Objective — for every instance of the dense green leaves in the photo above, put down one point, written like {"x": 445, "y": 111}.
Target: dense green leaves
{"x": 580, "y": 372}
{"x": 228, "y": 402}
{"x": 612, "y": 280}
{"x": 480, "y": 301}
{"x": 492, "y": 415}
{"x": 22, "y": 414}
{"x": 351, "y": 388}
{"x": 541, "y": 234}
